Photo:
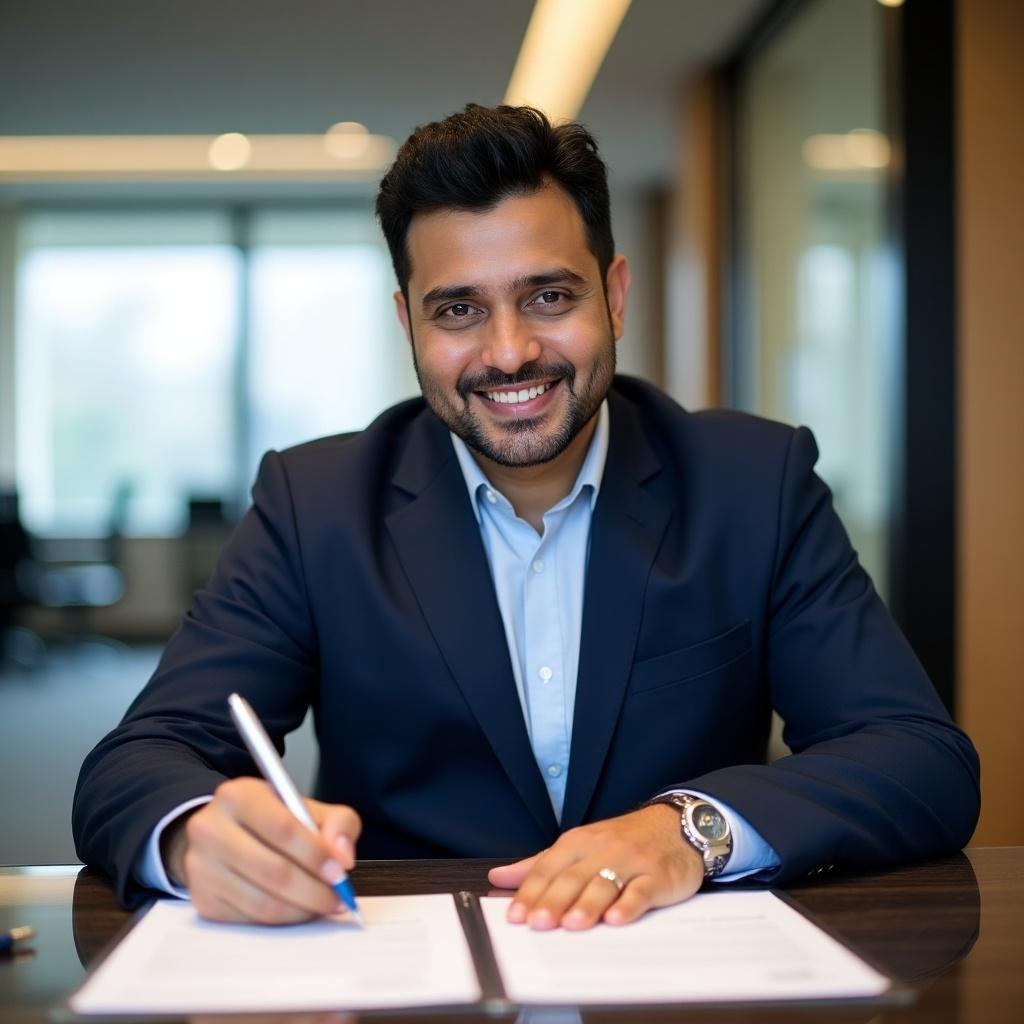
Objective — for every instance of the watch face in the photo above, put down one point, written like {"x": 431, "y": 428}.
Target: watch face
{"x": 708, "y": 823}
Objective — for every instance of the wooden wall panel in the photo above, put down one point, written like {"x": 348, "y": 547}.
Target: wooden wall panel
{"x": 990, "y": 226}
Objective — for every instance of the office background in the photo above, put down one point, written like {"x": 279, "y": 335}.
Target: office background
{"x": 819, "y": 199}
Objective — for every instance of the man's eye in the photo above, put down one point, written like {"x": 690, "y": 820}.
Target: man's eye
{"x": 550, "y": 301}
{"x": 459, "y": 310}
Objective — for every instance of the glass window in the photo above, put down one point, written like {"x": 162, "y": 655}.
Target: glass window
{"x": 139, "y": 385}
{"x": 126, "y": 333}
{"x": 326, "y": 353}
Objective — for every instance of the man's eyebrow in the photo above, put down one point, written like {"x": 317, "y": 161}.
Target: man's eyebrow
{"x": 446, "y": 293}
{"x": 561, "y": 275}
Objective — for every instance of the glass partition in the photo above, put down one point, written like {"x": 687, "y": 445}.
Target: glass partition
{"x": 817, "y": 318}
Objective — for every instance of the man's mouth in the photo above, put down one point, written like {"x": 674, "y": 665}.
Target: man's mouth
{"x": 517, "y": 396}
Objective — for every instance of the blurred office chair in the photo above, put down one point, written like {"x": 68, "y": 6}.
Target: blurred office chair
{"x": 15, "y": 551}
{"x": 209, "y": 527}
{"x": 73, "y": 576}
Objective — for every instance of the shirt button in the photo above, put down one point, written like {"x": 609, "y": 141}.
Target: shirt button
{"x": 492, "y": 497}
{"x": 538, "y": 565}
{"x": 545, "y": 673}
{"x": 554, "y": 770}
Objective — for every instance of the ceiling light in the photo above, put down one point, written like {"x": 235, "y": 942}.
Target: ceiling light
{"x": 867, "y": 148}
{"x": 347, "y": 140}
{"x": 230, "y": 152}
{"x": 858, "y": 150}
{"x": 563, "y": 48}
{"x": 34, "y": 158}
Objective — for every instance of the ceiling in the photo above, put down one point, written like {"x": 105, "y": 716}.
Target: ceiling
{"x": 281, "y": 66}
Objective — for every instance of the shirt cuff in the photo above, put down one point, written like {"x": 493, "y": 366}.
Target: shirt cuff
{"x": 150, "y": 870}
{"x": 750, "y": 853}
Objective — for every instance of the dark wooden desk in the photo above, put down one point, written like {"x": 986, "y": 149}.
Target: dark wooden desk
{"x": 953, "y": 929}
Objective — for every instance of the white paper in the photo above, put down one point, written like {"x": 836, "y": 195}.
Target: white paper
{"x": 722, "y": 946}
{"x": 411, "y": 952}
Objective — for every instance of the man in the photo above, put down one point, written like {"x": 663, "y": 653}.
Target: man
{"x": 528, "y": 605}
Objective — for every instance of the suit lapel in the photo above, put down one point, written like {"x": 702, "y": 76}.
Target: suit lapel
{"x": 437, "y": 539}
{"x": 625, "y": 533}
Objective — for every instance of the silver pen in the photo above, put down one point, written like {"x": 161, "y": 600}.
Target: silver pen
{"x": 274, "y": 771}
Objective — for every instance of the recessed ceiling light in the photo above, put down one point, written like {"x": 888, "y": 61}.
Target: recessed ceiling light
{"x": 230, "y": 152}
{"x": 862, "y": 149}
{"x": 347, "y": 140}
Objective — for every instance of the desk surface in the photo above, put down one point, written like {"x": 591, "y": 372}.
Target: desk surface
{"x": 953, "y": 929}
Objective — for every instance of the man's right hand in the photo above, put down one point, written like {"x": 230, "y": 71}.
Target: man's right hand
{"x": 244, "y": 857}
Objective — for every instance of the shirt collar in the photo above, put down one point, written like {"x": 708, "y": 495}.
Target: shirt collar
{"x": 590, "y": 473}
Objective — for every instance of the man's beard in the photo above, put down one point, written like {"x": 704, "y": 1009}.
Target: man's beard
{"x": 519, "y": 441}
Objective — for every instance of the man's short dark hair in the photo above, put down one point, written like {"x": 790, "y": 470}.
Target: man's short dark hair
{"x": 474, "y": 159}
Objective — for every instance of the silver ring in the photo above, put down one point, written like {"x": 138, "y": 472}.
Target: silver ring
{"x": 612, "y": 877}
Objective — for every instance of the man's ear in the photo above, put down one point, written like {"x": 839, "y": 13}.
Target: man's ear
{"x": 402, "y": 309}
{"x": 616, "y": 288}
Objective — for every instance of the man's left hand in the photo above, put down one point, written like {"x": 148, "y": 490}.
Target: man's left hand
{"x": 563, "y": 885}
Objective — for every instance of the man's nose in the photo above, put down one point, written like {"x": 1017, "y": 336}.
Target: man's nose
{"x": 509, "y": 342}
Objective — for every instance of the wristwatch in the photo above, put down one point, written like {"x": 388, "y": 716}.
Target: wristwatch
{"x": 704, "y": 827}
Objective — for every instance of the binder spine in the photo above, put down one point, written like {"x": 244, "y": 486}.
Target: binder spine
{"x": 492, "y": 990}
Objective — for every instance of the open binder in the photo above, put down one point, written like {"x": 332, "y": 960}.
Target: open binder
{"x": 448, "y": 951}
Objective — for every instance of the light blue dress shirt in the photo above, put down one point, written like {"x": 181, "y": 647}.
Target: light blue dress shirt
{"x": 539, "y": 580}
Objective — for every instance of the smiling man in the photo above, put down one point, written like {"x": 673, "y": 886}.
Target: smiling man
{"x": 542, "y": 614}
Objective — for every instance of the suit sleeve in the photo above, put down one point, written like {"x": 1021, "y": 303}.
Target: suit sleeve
{"x": 249, "y": 631}
{"x": 879, "y": 773}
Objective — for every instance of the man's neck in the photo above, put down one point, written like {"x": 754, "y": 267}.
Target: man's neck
{"x": 532, "y": 490}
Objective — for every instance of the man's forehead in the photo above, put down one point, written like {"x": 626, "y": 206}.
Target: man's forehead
{"x": 521, "y": 237}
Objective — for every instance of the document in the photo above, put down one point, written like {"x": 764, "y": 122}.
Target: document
{"x": 411, "y": 952}
{"x": 423, "y": 951}
{"x": 716, "y": 947}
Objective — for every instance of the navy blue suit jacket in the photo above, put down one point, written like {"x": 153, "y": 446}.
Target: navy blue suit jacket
{"x": 720, "y": 584}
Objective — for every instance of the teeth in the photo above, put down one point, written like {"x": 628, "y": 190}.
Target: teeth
{"x": 525, "y": 395}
